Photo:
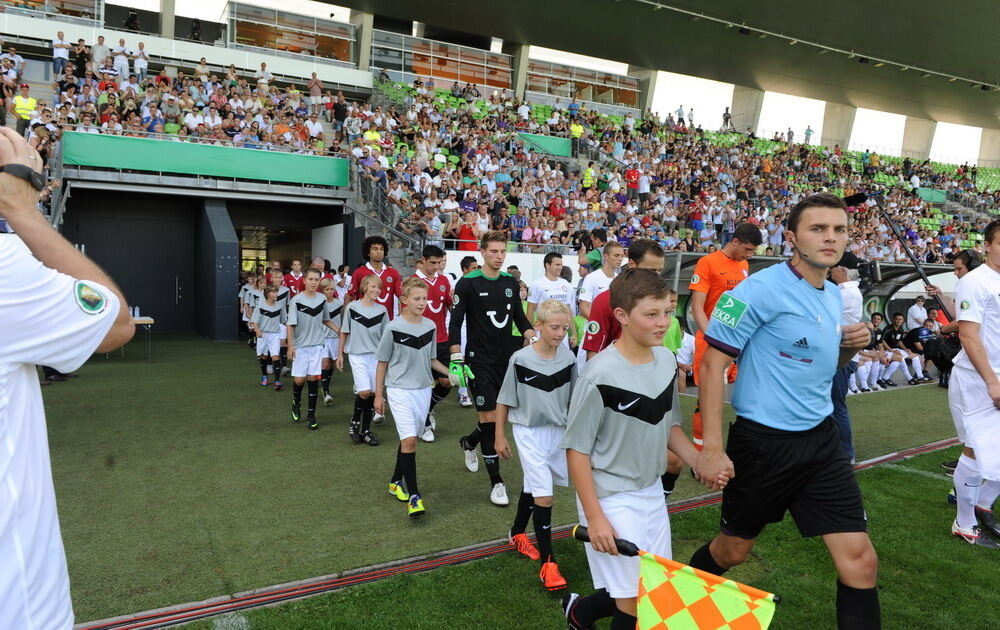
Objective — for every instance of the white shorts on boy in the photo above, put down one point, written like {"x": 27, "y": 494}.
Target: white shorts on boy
{"x": 331, "y": 347}
{"x": 543, "y": 462}
{"x": 308, "y": 361}
{"x": 363, "y": 371}
{"x": 268, "y": 344}
{"x": 639, "y": 516}
{"x": 409, "y": 409}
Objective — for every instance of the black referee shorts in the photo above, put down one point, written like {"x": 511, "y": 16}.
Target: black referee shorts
{"x": 804, "y": 472}
{"x": 485, "y": 384}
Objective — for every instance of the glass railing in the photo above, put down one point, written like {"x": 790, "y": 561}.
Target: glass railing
{"x": 82, "y": 11}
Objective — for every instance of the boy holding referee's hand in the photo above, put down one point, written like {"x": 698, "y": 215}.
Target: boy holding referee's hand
{"x": 624, "y": 415}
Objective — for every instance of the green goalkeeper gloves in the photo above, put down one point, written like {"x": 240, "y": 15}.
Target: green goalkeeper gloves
{"x": 458, "y": 372}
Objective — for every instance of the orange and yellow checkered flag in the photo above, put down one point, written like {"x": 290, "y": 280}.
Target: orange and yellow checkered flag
{"x": 674, "y": 596}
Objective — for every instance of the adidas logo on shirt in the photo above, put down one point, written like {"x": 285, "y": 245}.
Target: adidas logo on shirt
{"x": 802, "y": 343}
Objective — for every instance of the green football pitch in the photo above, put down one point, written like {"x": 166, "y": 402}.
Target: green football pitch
{"x": 180, "y": 479}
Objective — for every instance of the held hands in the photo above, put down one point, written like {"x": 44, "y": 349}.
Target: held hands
{"x": 714, "y": 469}
{"x": 458, "y": 372}
{"x": 855, "y": 336}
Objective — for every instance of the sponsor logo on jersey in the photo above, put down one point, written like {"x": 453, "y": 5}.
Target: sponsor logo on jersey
{"x": 480, "y": 401}
{"x": 695, "y": 279}
{"x": 964, "y": 305}
{"x": 729, "y": 310}
{"x": 802, "y": 343}
{"x": 90, "y": 300}
{"x": 593, "y": 327}
{"x": 508, "y": 293}
{"x": 636, "y": 405}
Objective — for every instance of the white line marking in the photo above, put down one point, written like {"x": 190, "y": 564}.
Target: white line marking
{"x": 916, "y": 471}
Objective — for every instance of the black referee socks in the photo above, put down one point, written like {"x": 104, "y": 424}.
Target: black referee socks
{"x": 858, "y": 608}
{"x": 702, "y": 559}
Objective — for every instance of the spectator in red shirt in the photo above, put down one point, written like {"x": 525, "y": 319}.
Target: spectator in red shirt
{"x": 632, "y": 181}
{"x": 294, "y": 280}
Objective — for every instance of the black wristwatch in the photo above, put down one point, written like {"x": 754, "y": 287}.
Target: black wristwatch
{"x": 26, "y": 173}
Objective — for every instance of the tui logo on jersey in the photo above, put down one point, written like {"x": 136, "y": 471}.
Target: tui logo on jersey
{"x": 90, "y": 300}
{"x": 412, "y": 341}
{"x": 639, "y": 406}
{"x": 493, "y": 319}
{"x": 311, "y": 311}
{"x": 729, "y": 310}
{"x": 544, "y": 382}
{"x": 367, "y": 322}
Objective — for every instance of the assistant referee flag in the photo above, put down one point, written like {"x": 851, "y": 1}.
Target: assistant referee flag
{"x": 674, "y": 596}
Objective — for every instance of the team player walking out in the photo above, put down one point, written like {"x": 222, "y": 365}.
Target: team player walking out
{"x": 307, "y": 320}
{"x": 488, "y": 301}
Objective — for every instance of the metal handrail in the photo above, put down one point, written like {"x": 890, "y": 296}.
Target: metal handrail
{"x": 561, "y": 248}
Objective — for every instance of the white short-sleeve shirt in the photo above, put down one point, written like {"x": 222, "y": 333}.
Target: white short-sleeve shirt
{"x": 49, "y": 319}
{"x": 977, "y": 298}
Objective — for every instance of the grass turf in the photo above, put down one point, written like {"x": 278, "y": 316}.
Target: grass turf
{"x": 921, "y": 569}
{"x": 180, "y": 479}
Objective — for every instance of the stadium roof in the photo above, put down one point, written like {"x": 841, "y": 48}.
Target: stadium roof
{"x": 955, "y": 39}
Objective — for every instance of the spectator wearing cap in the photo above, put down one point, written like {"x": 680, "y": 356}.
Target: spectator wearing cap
{"x": 22, "y": 106}
{"x": 916, "y": 315}
{"x": 60, "y": 53}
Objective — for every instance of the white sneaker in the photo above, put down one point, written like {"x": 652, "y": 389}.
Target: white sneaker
{"x": 851, "y": 392}
{"x": 428, "y": 435}
{"x": 327, "y": 400}
{"x": 378, "y": 418}
{"x": 498, "y": 496}
{"x": 434, "y": 422}
{"x": 471, "y": 459}
{"x": 876, "y": 388}
{"x": 464, "y": 400}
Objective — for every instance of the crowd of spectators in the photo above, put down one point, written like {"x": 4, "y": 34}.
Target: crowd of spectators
{"x": 109, "y": 90}
{"x": 458, "y": 168}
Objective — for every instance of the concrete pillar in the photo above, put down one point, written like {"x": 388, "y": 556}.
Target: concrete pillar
{"x": 918, "y": 134}
{"x": 364, "y": 24}
{"x": 989, "y": 148}
{"x": 167, "y": 16}
{"x": 745, "y": 108}
{"x": 647, "y": 87}
{"x": 519, "y": 66}
{"x": 838, "y": 121}
{"x": 217, "y": 251}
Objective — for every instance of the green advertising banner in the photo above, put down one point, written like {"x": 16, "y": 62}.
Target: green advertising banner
{"x": 548, "y": 144}
{"x": 166, "y": 156}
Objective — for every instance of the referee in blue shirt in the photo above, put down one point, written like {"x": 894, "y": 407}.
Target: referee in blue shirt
{"x": 783, "y": 323}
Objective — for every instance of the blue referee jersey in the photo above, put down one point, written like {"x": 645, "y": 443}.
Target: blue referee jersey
{"x": 786, "y": 335}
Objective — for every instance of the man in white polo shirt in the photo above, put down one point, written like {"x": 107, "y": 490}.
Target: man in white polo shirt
{"x": 58, "y": 308}
{"x": 974, "y": 397}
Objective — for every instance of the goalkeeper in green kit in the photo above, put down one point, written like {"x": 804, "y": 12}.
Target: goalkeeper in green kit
{"x": 488, "y": 301}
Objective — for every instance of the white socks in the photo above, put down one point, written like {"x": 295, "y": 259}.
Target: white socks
{"x": 905, "y": 370}
{"x": 968, "y": 482}
{"x": 918, "y": 366}
{"x": 891, "y": 370}
{"x": 876, "y": 374}
{"x": 988, "y": 494}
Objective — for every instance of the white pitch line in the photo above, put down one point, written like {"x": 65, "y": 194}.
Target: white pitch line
{"x": 916, "y": 471}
